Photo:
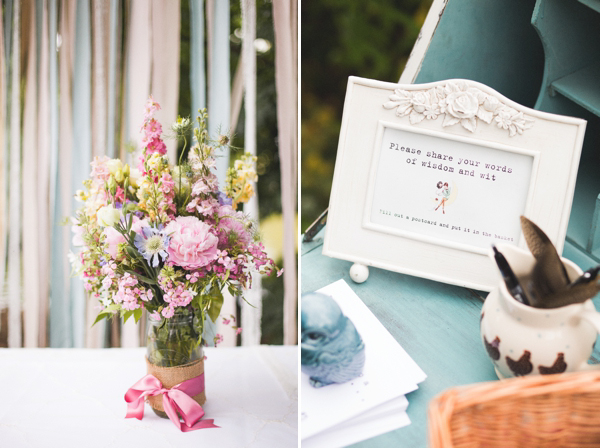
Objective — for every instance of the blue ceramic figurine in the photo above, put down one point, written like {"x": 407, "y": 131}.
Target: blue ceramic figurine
{"x": 332, "y": 351}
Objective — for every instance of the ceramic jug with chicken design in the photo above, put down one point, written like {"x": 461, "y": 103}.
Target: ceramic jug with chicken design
{"x": 523, "y": 340}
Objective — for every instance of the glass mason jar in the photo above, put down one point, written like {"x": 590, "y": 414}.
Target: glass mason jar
{"x": 173, "y": 342}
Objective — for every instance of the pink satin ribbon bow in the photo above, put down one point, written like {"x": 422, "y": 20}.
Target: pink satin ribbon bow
{"x": 176, "y": 401}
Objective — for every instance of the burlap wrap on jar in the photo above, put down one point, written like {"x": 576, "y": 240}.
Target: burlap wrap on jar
{"x": 172, "y": 376}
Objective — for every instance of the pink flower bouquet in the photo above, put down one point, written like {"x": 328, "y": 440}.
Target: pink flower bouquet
{"x": 164, "y": 238}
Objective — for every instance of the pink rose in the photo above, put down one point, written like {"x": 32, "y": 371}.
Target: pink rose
{"x": 192, "y": 245}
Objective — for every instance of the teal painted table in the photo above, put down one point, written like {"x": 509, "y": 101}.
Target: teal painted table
{"x": 437, "y": 324}
{"x": 555, "y": 46}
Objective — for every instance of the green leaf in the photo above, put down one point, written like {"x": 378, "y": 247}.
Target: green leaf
{"x": 197, "y": 302}
{"x": 100, "y": 317}
{"x": 137, "y": 314}
{"x": 141, "y": 277}
{"x": 147, "y": 280}
{"x": 244, "y": 299}
{"x": 110, "y": 308}
{"x": 129, "y": 220}
{"x": 216, "y": 302}
{"x": 127, "y": 315}
{"x": 131, "y": 251}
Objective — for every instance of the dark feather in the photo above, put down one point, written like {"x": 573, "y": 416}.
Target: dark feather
{"x": 535, "y": 237}
{"x": 548, "y": 276}
{"x": 568, "y": 296}
{"x": 538, "y": 243}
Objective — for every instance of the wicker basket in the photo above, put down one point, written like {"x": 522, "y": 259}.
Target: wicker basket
{"x": 539, "y": 411}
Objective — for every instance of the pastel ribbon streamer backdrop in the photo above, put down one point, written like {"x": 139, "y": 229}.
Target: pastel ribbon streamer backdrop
{"x": 177, "y": 401}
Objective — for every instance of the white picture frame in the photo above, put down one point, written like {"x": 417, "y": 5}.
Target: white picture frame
{"x": 396, "y": 141}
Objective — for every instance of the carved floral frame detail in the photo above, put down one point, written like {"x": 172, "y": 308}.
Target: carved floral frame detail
{"x": 457, "y": 102}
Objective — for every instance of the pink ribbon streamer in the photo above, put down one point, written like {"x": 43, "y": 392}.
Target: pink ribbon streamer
{"x": 177, "y": 401}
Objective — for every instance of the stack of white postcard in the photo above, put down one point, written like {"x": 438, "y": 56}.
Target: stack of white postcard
{"x": 370, "y": 405}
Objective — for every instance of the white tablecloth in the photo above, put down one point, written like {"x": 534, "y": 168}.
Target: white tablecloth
{"x": 74, "y": 398}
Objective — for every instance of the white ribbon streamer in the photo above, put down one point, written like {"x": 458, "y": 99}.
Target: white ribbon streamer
{"x": 251, "y": 314}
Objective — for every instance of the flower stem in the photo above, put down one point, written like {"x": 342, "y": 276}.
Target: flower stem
{"x": 181, "y": 157}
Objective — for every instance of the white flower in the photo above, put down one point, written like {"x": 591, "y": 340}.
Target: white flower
{"x": 210, "y": 163}
{"x": 106, "y": 302}
{"x": 156, "y": 162}
{"x": 75, "y": 261}
{"x": 134, "y": 177}
{"x": 114, "y": 166}
{"x": 181, "y": 126}
{"x": 184, "y": 180}
{"x": 108, "y": 216}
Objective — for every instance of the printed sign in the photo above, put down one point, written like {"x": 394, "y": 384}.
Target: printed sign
{"x": 458, "y": 192}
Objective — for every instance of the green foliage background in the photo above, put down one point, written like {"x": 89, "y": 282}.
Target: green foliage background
{"x": 342, "y": 38}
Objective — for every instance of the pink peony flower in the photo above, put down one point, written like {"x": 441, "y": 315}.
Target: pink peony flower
{"x": 232, "y": 222}
{"x": 192, "y": 245}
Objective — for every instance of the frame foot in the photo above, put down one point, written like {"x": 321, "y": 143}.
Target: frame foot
{"x": 359, "y": 273}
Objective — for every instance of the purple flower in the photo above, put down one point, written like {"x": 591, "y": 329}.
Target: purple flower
{"x": 224, "y": 199}
{"x": 152, "y": 244}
